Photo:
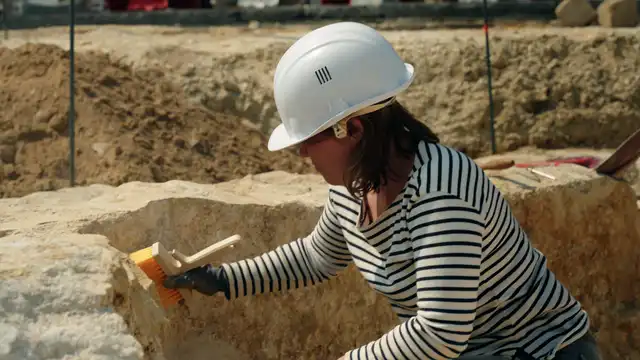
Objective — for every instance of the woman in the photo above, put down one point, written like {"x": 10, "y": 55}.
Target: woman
{"x": 423, "y": 224}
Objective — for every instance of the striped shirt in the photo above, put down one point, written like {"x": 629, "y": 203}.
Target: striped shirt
{"x": 450, "y": 257}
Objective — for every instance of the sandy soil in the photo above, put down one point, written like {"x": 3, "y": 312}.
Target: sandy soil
{"x": 130, "y": 126}
{"x": 553, "y": 88}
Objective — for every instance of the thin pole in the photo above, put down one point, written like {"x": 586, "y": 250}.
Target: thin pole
{"x": 489, "y": 85}
{"x": 5, "y": 18}
{"x": 72, "y": 107}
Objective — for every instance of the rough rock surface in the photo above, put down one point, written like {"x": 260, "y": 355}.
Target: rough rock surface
{"x": 550, "y": 90}
{"x": 67, "y": 290}
{"x": 130, "y": 126}
{"x": 553, "y": 87}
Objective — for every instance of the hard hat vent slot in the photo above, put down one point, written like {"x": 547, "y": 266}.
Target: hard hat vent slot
{"x": 323, "y": 75}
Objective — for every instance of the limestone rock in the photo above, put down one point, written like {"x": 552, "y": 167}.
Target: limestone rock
{"x": 618, "y": 13}
{"x": 575, "y": 12}
{"x": 66, "y": 286}
{"x": 55, "y": 298}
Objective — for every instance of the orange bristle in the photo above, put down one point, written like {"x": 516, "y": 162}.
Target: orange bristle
{"x": 145, "y": 261}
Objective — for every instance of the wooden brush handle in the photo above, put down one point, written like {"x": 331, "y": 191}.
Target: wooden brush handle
{"x": 204, "y": 256}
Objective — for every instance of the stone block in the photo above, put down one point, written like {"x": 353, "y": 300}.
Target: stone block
{"x": 618, "y": 13}
{"x": 575, "y": 13}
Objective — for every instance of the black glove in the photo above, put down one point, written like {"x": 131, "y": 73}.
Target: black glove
{"x": 207, "y": 280}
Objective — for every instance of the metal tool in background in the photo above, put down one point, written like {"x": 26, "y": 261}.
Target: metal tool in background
{"x": 624, "y": 156}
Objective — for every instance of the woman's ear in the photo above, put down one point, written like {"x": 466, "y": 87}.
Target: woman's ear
{"x": 355, "y": 129}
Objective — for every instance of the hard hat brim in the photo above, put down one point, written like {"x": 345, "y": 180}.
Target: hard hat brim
{"x": 280, "y": 139}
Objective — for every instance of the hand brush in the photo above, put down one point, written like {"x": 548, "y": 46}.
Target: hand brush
{"x": 157, "y": 263}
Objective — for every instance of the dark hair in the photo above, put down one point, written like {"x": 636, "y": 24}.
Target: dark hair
{"x": 369, "y": 164}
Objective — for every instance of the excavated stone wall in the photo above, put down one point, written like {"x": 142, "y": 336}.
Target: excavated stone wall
{"x": 68, "y": 289}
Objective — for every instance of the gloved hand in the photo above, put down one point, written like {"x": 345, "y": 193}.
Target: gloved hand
{"x": 207, "y": 280}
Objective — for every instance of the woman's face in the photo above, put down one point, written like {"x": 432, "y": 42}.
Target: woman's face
{"x": 329, "y": 154}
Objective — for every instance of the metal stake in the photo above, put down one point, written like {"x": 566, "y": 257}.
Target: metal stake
{"x": 490, "y": 87}
{"x": 72, "y": 107}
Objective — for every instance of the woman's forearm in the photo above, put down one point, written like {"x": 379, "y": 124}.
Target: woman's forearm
{"x": 302, "y": 262}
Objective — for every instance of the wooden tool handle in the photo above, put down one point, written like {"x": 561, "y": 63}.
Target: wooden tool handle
{"x": 496, "y": 164}
{"x": 625, "y": 155}
{"x": 204, "y": 256}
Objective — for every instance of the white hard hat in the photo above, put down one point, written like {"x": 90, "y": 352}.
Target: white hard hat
{"x": 331, "y": 73}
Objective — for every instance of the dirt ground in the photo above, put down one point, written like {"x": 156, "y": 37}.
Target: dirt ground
{"x": 130, "y": 126}
{"x": 553, "y": 88}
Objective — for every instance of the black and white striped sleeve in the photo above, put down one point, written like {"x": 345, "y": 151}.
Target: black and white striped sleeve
{"x": 302, "y": 262}
{"x": 446, "y": 236}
